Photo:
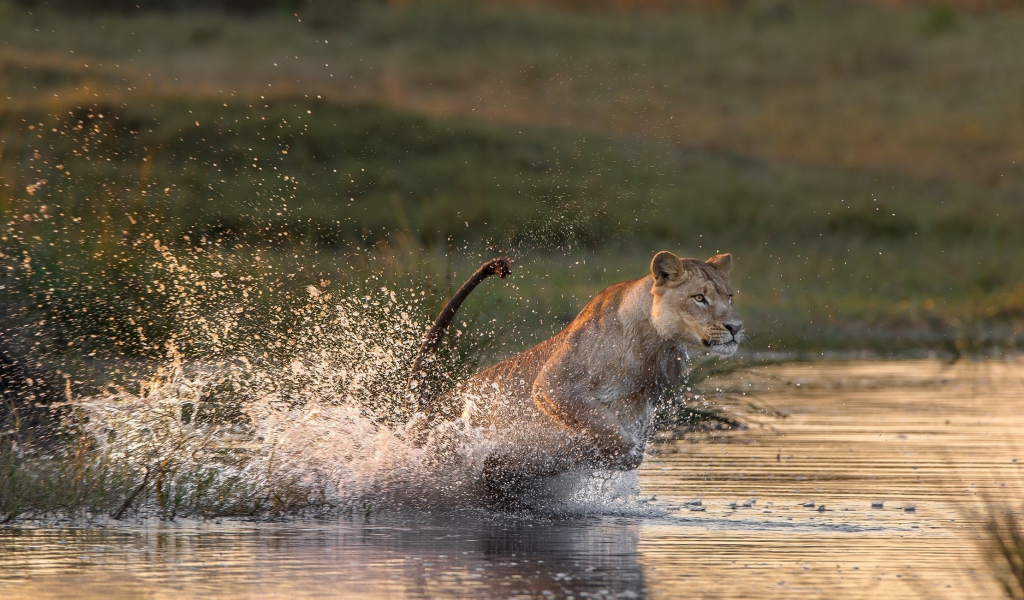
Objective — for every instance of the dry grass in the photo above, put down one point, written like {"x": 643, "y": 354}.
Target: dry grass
{"x": 1000, "y": 530}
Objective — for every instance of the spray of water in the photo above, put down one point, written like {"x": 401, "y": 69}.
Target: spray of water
{"x": 310, "y": 431}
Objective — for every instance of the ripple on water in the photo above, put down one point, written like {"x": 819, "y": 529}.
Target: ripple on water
{"x": 901, "y": 433}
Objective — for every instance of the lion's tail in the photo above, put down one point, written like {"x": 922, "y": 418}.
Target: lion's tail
{"x": 418, "y": 396}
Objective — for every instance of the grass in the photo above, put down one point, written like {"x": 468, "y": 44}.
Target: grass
{"x": 177, "y": 448}
{"x": 869, "y": 199}
{"x": 1006, "y": 537}
{"x": 88, "y": 483}
{"x": 1001, "y": 540}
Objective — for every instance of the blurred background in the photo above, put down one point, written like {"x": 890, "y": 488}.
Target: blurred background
{"x": 165, "y": 163}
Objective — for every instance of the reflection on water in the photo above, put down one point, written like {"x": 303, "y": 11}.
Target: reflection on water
{"x": 397, "y": 557}
{"x": 858, "y": 492}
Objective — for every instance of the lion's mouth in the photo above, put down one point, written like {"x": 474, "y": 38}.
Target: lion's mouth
{"x": 727, "y": 347}
{"x": 718, "y": 342}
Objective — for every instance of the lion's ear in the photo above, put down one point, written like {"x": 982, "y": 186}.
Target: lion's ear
{"x": 722, "y": 262}
{"x": 666, "y": 267}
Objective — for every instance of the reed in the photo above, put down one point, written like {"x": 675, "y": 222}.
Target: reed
{"x": 1000, "y": 530}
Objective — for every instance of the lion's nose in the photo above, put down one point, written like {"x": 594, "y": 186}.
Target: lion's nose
{"x": 734, "y": 327}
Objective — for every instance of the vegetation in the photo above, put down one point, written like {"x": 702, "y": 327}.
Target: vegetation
{"x": 863, "y": 170}
{"x": 80, "y": 480}
{"x": 1001, "y": 539}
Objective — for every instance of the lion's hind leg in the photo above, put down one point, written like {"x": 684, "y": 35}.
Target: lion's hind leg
{"x": 503, "y": 485}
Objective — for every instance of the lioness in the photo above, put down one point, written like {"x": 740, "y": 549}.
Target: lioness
{"x": 585, "y": 397}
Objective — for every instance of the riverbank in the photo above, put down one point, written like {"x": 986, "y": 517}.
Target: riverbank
{"x": 861, "y": 167}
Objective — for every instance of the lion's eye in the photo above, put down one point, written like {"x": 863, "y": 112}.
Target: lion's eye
{"x": 699, "y": 299}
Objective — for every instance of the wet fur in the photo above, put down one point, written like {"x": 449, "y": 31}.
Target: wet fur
{"x": 585, "y": 397}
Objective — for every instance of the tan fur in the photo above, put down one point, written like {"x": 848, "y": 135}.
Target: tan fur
{"x": 585, "y": 397}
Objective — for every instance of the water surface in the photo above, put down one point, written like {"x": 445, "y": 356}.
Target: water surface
{"x": 923, "y": 438}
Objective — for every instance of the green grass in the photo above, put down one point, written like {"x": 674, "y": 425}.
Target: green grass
{"x": 860, "y": 162}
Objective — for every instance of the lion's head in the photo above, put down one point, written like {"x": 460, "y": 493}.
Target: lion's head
{"x": 693, "y": 301}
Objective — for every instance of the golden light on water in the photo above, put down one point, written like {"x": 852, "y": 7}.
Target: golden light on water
{"x": 788, "y": 508}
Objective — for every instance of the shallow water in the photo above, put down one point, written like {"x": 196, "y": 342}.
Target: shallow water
{"x": 907, "y": 433}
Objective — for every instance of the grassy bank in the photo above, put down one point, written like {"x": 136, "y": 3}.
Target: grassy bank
{"x": 861, "y": 162}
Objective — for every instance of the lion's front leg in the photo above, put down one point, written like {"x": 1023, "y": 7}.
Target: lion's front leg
{"x": 599, "y": 438}
{"x": 521, "y": 460}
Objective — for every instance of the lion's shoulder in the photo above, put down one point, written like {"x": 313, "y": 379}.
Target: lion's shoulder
{"x": 604, "y": 307}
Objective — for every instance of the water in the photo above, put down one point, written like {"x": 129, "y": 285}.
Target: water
{"x": 909, "y": 433}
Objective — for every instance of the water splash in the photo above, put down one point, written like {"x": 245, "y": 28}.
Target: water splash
{"x": 307, "y": 432}
{"x": 228, "y": 379}
{"x": 325, "y": 456}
